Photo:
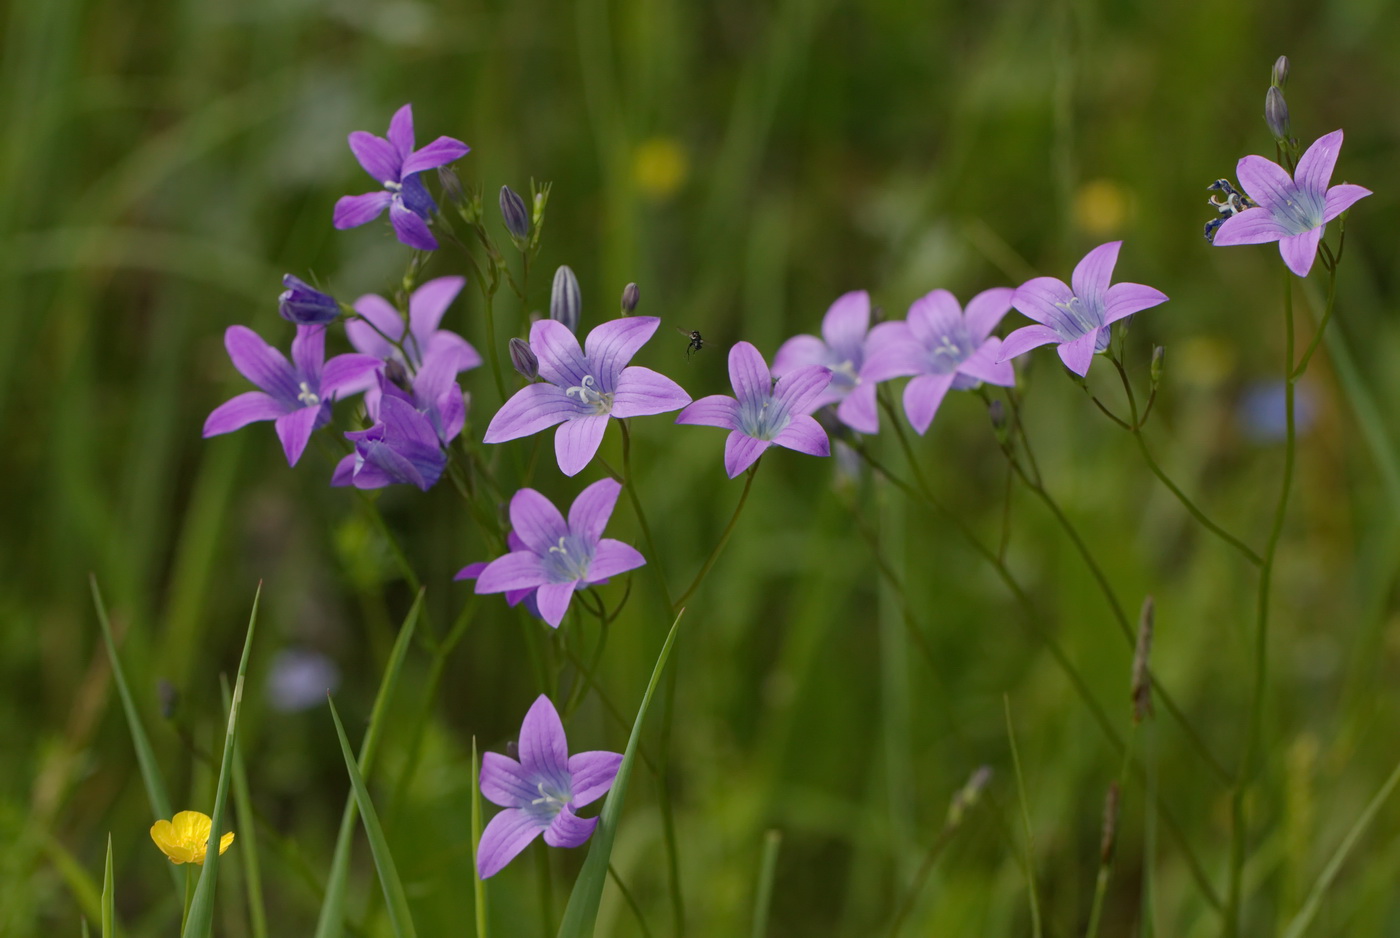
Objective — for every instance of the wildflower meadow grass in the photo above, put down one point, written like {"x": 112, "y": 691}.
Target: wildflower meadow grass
{"x": 375, "y": 565}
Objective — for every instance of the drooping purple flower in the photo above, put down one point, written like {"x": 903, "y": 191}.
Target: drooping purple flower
{"x": 305, "y": 305}
{"x": 1077, "y": 318}
{"x": 584, "y": 387}
{"x": 1292, "y": 211}
{"x": 395, "y": 164}
{"x": 558, "y": 557}
{"x": 846, "y": 347}
{"x": 541, "y": 792}
{"x": 761, "y": 414}
{"x": 411, "y": 428}
{"x": 297, "y": 395}
{"x": 945, "y": 348}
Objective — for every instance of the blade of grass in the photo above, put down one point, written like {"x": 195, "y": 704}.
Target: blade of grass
{"x": 248, "y": 845}
{"x": 1025, "y": 819}
{"x": 767, "y": 868}
{"x": 478, "y": 884}
{"x": 201, "y": 918}
{"x": 394, "y": 898}
{"x": 331, "y": 923}
{"x": 582, "y": 910}
{"x": 79, "y": 881}
{"x": 109, "y": 919}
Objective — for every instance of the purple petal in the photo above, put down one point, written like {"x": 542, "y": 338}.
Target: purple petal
{"x": 1266, "y": 182}
{"x": 543, "y": 747}
{"x": 1252, "y": 226}
{"x": 262, "y": 364}
{"x": 924, "y": 394}
{"x": 552, "y": 599}
{"x": 932, "y": 316}
{"x": 411, "y": 230}
{"x": 901, "y": 355}
{"x": 1079, "y": 354}
{"x": 1036, "y": 299}
{"x": 592, "y": 775}
{"x": 1092, "y": 274}
{"x": 577, "y": 441}
{"x": 561, "y": 359}
{"x": 798, "y": 351}
{"x": 294, "y": 429}
{"x": 589, "y": 513}
{"x": 440, "y": 152}
{"x": 352, "y": 211}
{"x": 344, "y": 473}
{"x": 613, "y": 557}
{"x": 401, "y": 134}
{"x": 1315, "y": 166}
{"x": 845, "y": 324}
{"x": 804, "y": 435}
{"x": 309, "y": 353}
{"x": 471, "y": 571}
{"x": 569, "y": 830}
{"x": 518, "y": 570}
{"x": 1026, "y": 338}
{"x": 986, "y": 310}
{"x": 797, "y": 391}
{"x": 455, "y": 348}
{"x": 533, "y": 408}
{"x": 376, "y": 155}
{"x": 748, "y": 373}
{"x": 741, "y": 451}
{"x": 641, "y": 392}
{"x": 985, "y": 365}
{"x": 716, "y": 410}
{"x": 428, "y": 303}
{"x": 611, "y": 346}
{"x": 504, "y": 837}
{"x": 1299, "y": 250}
{"x": 1124, "y": 299}
{"x": 536, "y": 521}
{"x": 382, "y": 318}
{"x": 1342, "y": 197}
{"x": 240, "y": 411}
{"x": 504, "y": 782}
{"x": 858, "y": 410}
{"x": 349, "y": 374}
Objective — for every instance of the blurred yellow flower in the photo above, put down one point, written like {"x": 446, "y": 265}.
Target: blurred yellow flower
{"x": 185, "y": 839}
{"x": 1101, "y": 206}
{"x": 659, "y": 167}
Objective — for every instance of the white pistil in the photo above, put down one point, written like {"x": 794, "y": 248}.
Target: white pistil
{"x": 590, "y": 396}
{"x": 307, "y": 396}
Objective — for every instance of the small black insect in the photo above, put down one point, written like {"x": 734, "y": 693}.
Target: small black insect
{"x": 1234, "y": 202}
{"x": 697, "y": 342}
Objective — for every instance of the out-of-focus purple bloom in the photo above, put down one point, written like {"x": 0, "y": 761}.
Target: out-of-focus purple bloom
{"x": 1292, "y": 211}
{"x": 584, "y": 387}
{"x": 945, "y": 348}
{"x": 761, "y": 414}
{"x": 541, "y": 792}
{"x": 846, "y": 347}
{"x": 395, "y": 164}
{"x": 405, "y": 444}
{"x": 1263, "y": 411}
{"x": 300, "y": 679}
{"x": 296, "y": 395}
{"x": 555, "y": 557}
{"x": 303, "y": 304}
{"x": 1077, "y": 319}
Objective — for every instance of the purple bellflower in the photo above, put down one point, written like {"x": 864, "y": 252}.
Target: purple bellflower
{"x": 395, "y": 164}
{"x": 945, "y": 349}
{"x": 1292, "y": 211}
{"x": 584, "y": 387}
{"x": 557, "y": 557}
{"x": 761, "y": 414}
{"x": 305, "y": 305}
{"x": 541, "y": 792}
{"x": 846, "y": 346}
{"x": 405, "y": 444}
{"x": 1077, "y": 318}
{"x": 296, "y": 395}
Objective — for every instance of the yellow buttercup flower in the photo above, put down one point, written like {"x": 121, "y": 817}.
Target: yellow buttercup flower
{"x": 184, "y": 839}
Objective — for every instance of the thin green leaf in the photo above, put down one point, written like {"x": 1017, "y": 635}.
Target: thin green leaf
{"x": 331, "y": 923}
{"x": 582, "y": 911}
{"x": 109, "y": 915}
{"x": 248, "y": 841}
{"x": 767, "y": 867}
{"x": 201, "y": 918}
{"x": 394, "y": 898}
{"x": 478, "y": 884}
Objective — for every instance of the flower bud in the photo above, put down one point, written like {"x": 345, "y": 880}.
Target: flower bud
{"x": 565, "y": 301}
{"x": 996, "y": 410}
{"x": 526, "y": 362}
{"x": 1276, "y": 113}
{"x": 1280, "y": 75}
{"x": 1158, "y": 355}
{"x": 451, "y": 185}
{"x": 513, "y": 210}
{"x": 304, "y": 305}
{"x": 631, "y": 294}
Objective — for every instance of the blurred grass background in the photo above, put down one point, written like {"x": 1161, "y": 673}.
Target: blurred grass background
{"x": 164, "y": 163}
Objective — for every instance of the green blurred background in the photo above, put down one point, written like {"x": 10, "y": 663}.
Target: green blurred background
{"x": 164, "y": 163}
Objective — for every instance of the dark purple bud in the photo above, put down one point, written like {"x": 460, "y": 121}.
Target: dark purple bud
{"x": 631, "y": 295}
{"x": 1280, "y": 75}
{"x": 451, "y": 185}
{"x": 303, "y": 304}
{"x": 513, "y": 210}
{"x": 565, "y": 300}
{"x": 524, "y": 359}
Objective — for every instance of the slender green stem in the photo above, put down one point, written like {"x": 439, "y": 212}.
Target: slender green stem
{"x": 1297, "y": 372}
{"x": 189, "y": 896}
{"x": 491, "y": 349}
{"x": 1106, "y": 847}
{"x": 654, "y": 562}
{"x": 723, "y": 540}
{"x": 405, "y": 568}
{"x": 1029, "y": 865}
{"x": 631, "y": 902}
{"x": 546, "y": 889}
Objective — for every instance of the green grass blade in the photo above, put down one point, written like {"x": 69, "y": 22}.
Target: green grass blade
{"x": 582, "y": 910}
{"x": 331, "y": 923}
{"x": 478, "y": 884}
{"x": 394, "y": 898}
{"x": 109, "y": 918}
{"x": 1029, "y": 865}
{"x": 248, "y": 838}
{"x": 767, "y": 868}
{"x": 201, "y": 919}
{"x": 84, "y": 923}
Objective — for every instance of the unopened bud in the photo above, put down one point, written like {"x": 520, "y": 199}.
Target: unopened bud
{"x": 1280, "y": 75}
{"x": 1142, "y": 672}
{"x": 1276, "y": 113}
{"x": 524, "y": 359}
{"x": 451, "y": 185}
{"x": 513, "y": 210}
{"x": 539, "y": 202}
{"x": 565, "y": 301}
{"x": 1158, "y": 354}
{"x": 996, "y": 410}
{"x": 1110, "y": 825}
{"x": 631, "y": 294}
{"x": 304, "y": 305}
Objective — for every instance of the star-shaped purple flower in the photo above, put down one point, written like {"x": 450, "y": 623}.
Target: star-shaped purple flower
{"x": 1078, "y": 318}
{"x": 584, "y": 387}
{"x": 761, "y": 414}
{"x": 296, "y": 395}
{"x": 395, "y": 164}
{"x": 1292, "y": 211}
{"x": 847, "y": 346}
{"x": 944, "y": 348}
{"x": 541, "y": 792}
{"x": 558, "y": 557}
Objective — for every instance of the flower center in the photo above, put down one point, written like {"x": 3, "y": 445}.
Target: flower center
{"x": 845, "y": 374}
{"x": 308, "y": 397}
{"x": 393, "y": 185}
{"x": 569, "y": 560}
{"x": 1299, "y": 212}
{"x": 589, "y": 396}
{"x": 952, "y": 349}
{"x": 1077, "y": 320}
{"x": 762, "y": 419}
